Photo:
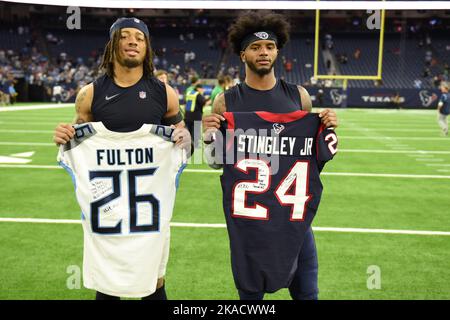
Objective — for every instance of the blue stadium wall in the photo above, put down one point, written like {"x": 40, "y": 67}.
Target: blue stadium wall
{"x": 376, "y": 98}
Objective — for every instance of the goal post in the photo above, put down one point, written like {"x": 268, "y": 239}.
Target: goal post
{"x": 348, "y": 77}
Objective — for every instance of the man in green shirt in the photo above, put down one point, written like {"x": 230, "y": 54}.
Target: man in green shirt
{"x": 225, "y": 82}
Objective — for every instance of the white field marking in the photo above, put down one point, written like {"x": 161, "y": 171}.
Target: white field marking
{"x": 29, "y": 166}
{"x": 25, "y": 131}
{"x": 395, "y": 146}
{"x": 430, "y": 160}
{"x": 42, "y": 144}
{"x": 36, "y": 117}
{"x": 438, "y": 164}
{"x": 405, "y": 148}
{"x": 388, "y": 124}
{"x": 344, "y": 174}
{"x": 55, "y": 118}
{"x": 391, "y": 138}
{"x": 5, "y": 159}
{"x": 401, "y": 127}
{"x": 400, "y": 149}
{"x": 38, "y": 107}
{"x": 414, "y": 155}
{"x": 34, "y": 123}
{"x": 223, "y": 226}
{"x": 413, "y": 152}
{"x": 400, "y": 112}
{"x": 23, "y": 154}
{"x": 443, "y": 170}
{"x": 395, "y": 130}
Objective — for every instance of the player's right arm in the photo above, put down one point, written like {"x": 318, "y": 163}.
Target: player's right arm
{"x": 64, "y": 131}
{"x": 211, "y": 123}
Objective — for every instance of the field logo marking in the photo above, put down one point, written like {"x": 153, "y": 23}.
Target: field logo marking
{"x": 17, "y": 158}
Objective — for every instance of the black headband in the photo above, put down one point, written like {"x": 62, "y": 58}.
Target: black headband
{"x": 261, "y": 35}
{"x": 128, "y": 23}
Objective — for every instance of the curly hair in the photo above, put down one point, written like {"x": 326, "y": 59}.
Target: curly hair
{"x": 250, "y": 22}
{"x": 111, "y": 51}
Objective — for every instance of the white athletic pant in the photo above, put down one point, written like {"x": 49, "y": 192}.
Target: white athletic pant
{"x": 442, "y": 120}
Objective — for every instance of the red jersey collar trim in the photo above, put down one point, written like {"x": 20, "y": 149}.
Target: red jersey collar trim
{"x": 281, "y": 117}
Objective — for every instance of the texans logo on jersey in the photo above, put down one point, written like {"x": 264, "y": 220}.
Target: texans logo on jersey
{"x": 278, "y": 128}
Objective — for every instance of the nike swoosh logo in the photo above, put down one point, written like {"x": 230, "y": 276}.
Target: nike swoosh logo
{"x": 109, "y": 98}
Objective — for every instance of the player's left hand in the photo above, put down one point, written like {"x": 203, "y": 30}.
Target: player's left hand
{"x": 182, "y": 138}
{"x": 329, "y": 118}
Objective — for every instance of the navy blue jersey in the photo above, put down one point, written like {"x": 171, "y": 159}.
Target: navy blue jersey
{"x": 445, "y": 110}
{"x": 282, "y": 98}
{"x": 271, "y": 191}
{"x": 127, "y": 109}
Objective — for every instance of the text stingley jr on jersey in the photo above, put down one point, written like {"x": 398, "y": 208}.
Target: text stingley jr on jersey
{"x": 275, "y": 145}
{"x": 252, "y": 143}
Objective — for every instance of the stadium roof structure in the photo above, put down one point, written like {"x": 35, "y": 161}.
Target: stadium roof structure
{"x": 249, "y": 4}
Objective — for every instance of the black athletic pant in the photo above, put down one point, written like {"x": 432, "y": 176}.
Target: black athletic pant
{"x": 304, "y": 285}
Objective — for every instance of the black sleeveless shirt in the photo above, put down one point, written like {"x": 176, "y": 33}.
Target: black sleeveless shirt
{"x": 127, "y": 109}
{"x": 282, "y": 98}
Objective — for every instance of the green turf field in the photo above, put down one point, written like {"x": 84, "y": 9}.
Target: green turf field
{"x": 402, "y": 182}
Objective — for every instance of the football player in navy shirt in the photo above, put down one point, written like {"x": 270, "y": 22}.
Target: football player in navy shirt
{"x": 126, "y": 96}
{"x": 257, "y": 39}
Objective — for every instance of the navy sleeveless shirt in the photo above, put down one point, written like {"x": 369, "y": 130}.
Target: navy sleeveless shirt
{"x": 127, "y": 109}
{"x": 282, "y": 98}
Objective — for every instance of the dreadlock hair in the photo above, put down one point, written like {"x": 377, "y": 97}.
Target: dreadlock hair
{"x": 112, "y": 50}
{"x": 250, "y": 22}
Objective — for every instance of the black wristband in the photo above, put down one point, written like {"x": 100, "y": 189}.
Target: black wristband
{"x": 172, "y": 120}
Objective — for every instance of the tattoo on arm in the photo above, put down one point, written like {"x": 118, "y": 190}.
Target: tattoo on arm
{"x": 80, "y": 99}
{"x": 81, "y": 116}
{"x": 79, "y": 120}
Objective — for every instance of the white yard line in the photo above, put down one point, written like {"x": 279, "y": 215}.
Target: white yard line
{"x": 30, "y": 166}
{"x": 438, "y": 164}
{"x": 400, "y": 149}
{"x": 392, "y": 129}
{"x": 344, "y": 174}
{"x": 25, "y": 131}
{"x": 420, "y": 152}
{"x": 222, "y": 225}
{"x": 430, "y": 160}
{"x": 34, "y": 123}
{"x": 12, "y": 143}
{"x": 414, "y": 155}
{"x": 421, "y": 156}
{"x": 443, "y": 139}
{"x": 38, "y": 107}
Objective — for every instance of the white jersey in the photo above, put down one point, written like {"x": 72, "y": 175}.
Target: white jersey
{"x": 125, "y": 184}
